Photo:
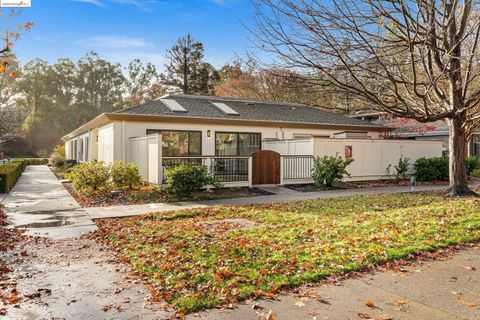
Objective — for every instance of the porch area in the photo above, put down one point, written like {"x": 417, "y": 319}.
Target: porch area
{"x": 146, "y": 153}
{"x": 284, "y": 162}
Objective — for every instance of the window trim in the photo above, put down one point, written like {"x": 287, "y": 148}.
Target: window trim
{"x": 152, "y": 131}
{"x": 238, "y": 145}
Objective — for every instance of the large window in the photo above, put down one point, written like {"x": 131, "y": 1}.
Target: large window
{"x": 180, "y": 143}
{"x": 236, "y": 143}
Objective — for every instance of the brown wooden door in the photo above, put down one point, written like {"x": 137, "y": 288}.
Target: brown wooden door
{"x": 265, "y": 167}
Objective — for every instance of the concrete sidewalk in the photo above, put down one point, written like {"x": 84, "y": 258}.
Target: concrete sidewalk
{"x": 134, "y": 210}
{"x": 433, "y": 290}
{"x": 41, "y": 204}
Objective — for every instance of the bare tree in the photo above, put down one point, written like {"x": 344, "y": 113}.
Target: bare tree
{"x": 415, "y": 59}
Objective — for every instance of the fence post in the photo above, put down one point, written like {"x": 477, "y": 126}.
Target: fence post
{"x": 250, "y": 170}
{"x": 281, "y": 170}
{"x": 159, "y": 160}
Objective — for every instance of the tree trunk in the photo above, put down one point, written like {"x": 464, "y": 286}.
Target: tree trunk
{"x": 456, "y": 147}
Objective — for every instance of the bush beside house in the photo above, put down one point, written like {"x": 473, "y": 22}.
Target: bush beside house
{"x": 96, "y": 176}
{"x": 125, "y": 175}
{"x": 436, "y": 168}
{"x": 187, "y": 178}
{"x": 90, "y": 176}
{"x": 57, "y": 158}
{"x": 329, "y": 169}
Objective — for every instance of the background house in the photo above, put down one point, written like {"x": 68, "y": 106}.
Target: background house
{"x": 225, "y": 134}
{"x": 411, "y": 129}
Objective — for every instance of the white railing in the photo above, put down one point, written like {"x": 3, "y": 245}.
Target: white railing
{"x": 230, "y": 171}
{"x": 296, "y": 169}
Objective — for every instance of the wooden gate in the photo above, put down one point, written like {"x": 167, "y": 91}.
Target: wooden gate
{"x": 265, "y": 167}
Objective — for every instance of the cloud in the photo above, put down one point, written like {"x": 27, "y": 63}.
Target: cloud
{"x": 97, "y": 3}
{"x": 112, "y": 42}
{"x": 140, "y": 4}
{"x": 222, "y": 3}
{"x": 124, "y": 58}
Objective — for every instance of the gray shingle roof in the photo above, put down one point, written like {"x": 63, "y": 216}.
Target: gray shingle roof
{"x": 201, "y": 107}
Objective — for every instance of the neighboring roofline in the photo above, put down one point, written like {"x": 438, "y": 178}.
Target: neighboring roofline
{"x": 105, "y": 118}
{"x": 422, "y": 134}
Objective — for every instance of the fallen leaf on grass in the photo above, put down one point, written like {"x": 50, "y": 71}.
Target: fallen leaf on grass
{"x": 3, "y": 311}
{"x": 362, "y": 315}
{"x": 383, "y": 317}
{"x": 470, "y": 268}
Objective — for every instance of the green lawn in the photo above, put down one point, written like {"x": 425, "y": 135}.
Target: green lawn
{"x": 194, "y": 265}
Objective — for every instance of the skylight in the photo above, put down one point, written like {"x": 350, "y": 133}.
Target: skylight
{"x": 224, "y": 108}
{"x": 173, "y": 105}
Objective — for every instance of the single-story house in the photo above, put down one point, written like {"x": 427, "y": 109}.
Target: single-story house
{"x": 242, "y": 141}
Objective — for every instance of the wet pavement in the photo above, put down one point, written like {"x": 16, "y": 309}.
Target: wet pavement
{"x": 59, "y": 274}
{"x": 41, "y": 204}
{"x": 76, "y": 279}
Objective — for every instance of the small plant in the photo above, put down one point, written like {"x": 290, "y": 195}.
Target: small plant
{"x": 125, "y": 175}
{"x": 57, "y": 158}
{"x": 328, "y": 169}
{"x": 90, "y": 176}
{"x": 401, "y": 168}
{"x": 388, "y": 170}
{"x": 60, "y": 150}
{"x": 187, "y": 178}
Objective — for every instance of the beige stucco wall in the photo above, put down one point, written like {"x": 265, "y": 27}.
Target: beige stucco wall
{"x": 372, "y": 157}
{"x": 129, "y": 129}
{"x": 105, "y": 144}
{"x": 111, "y": 141}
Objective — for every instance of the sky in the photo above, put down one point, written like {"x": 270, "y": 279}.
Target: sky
{"x": 122, "y": 30}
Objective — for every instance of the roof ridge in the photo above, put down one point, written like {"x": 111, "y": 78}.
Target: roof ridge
{"x": 235, "y": 99}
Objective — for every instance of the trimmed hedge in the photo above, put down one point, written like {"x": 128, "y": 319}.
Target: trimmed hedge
{"x": 472, "y": 164}
{"x": 9, "y": 174}
{"x": 431, "y": 169}
{"x": 22, "y": 162}
{"x": 436, "y": 168}
{"x": 36, "y": 161}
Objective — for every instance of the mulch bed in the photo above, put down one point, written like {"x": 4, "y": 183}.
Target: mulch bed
{"x": 151, "y": 194}
{"x": 369, "y": 184}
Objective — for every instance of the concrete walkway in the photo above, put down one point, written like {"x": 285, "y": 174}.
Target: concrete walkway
{"x": 434, "y": 290}
{"x": 41, "y": 204}
{"x": 134, "y": 210}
